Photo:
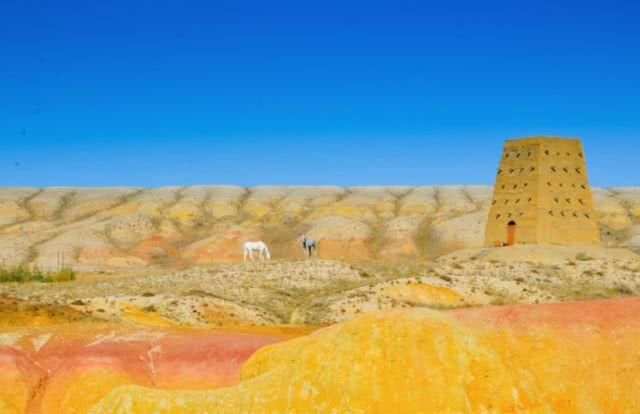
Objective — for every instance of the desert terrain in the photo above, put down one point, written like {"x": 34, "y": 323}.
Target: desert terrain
{"x": 163, "y": 300}
{"x": 125, "y": 229}
{"x": 174, "y": 253}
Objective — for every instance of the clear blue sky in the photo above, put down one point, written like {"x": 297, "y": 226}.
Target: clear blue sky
{"x": 132, "y": 92}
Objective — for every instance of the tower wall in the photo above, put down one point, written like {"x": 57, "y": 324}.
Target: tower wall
{"x": 515, "y": 194}
{"x": 568, "y": 215}
{"x": 542, "y": 186}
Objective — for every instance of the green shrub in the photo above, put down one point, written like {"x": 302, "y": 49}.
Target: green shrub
{"x": 22, "y": 274}
{"x": 62, "y": 275}
{"x": 17, "y": 274}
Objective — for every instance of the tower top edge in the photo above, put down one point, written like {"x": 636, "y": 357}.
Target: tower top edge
{"x": 539, "y": 139}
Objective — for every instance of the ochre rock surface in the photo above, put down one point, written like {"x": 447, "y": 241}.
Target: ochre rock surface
{"x": 19, "y": 377}
{"x": 68, "y": 368}
{"x": 556, "y": 358}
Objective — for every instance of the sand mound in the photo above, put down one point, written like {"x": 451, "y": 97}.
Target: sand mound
{"x": 400, "y": 238}
{"x": 127, "y": 231}
{"x": 223, "y": 246}
{"x": 17, "y": 193}
{"x": 460, "y": 232}
{"x": 421, "y": 200}
{"x": 302, "y": 200}
{"x": 611, "y": 211}
{"x": 223, "y": 200}
{"x": 339, "y": 228}
{"x": 540, "y": 254}
{"x": 341, "y": 237}
{"x": 479, "y": 194}
{"x": 12, "y": 204}
{"x": 90, "y": 201}
{"x": 262, "y": 200}
{"x": 451, "y": 217}
{"x": 12, "y": 212}
{"x": 151, "y": 202}
{"x": 394, "y": 294}
{"x": 188, "y": 208}
{"x": 634, "y": 236}
{"x": 50, "y": 201}
{"x": 85, "y": 249}
{"x": 457, "y": 200}
{"x": 630, "y": 197}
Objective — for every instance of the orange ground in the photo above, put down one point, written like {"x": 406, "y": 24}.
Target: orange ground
{"x": 565, "y": 357}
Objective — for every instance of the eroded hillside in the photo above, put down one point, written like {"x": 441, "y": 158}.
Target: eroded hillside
{"x": 115, "y": 229}
{"x": 163, "y": 300}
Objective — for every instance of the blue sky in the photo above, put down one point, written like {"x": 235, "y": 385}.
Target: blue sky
{"x": 151, "y": 93}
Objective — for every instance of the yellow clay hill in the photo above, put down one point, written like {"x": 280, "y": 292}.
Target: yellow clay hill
{"x": 422, "y": 361}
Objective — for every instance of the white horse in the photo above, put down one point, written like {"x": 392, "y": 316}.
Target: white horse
{"x": 261, "y": 247}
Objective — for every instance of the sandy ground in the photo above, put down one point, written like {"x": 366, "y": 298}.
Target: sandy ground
{"x": 320, "y": 292}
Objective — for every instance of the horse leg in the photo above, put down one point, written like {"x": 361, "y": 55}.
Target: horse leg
{"x": 244, "y": 255}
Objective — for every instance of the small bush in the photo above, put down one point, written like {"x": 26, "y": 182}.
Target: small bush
{"x": 624, "y": 290}
{"x": 591, "y": 272}
{"x": 21, "y": 274}
{"x": 498, "y": 302}
{"x": 18, "y": 274}
{"x": 62, "y": 275}
{"x": 582, "y": 256}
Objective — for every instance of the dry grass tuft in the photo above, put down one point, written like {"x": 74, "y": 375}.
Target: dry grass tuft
{"x": 22, "y": 274}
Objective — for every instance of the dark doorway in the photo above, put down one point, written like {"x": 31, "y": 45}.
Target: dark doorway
{"x": 511, "y": 233}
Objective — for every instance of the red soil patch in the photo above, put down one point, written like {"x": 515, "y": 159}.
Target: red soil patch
{"x": 605, "y": 314}
{"x": 96, "y": 358}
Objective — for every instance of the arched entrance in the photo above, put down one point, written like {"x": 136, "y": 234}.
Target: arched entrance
{"x": 511, "y": 233}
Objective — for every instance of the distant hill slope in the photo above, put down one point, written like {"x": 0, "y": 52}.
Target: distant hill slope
{"x": 129, "y": 228}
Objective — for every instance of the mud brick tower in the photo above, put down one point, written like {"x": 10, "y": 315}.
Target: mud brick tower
{"x": 541, "y": 195}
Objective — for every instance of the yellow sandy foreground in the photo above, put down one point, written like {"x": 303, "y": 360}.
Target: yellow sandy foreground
{"x": 564, "y": 358}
